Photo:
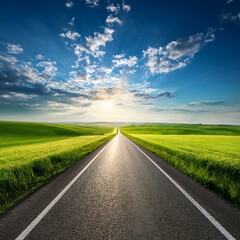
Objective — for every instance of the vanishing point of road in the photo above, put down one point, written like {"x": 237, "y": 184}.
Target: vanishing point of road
{"x": 121, "y": 191}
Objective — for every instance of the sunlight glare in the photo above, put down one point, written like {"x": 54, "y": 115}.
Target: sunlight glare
{"x": 107, "y": 105}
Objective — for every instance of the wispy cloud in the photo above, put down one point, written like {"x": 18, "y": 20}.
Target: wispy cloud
{"x": 111, "y": 20}
{"x": 230, "y": 17}
{"x": 126, "y": 7}
{"x": 72, "y": 21}
{"x": 14, "y": 48}
{"x": 229, "y": 1}
{"x": 146, "y": 96}
{"x": 179, "y": 109}
{"x": 69, "y": 4}
{"x": 204, "y": 106}
{"x": 28, "y": 86}
{"x": 39, "y": 57}
{"x": 113, "y": 8}
{"x": 206, "y": 103}
{"x": 71, "y": 35}
{"x": 122, "y": 55}
{"x": 93, "y": 44}
{"x": 8, "y": 60}
{"x": 120, "y": 60}
{"x": 99, "y": 39}
{"x": 49, "y": 67}
{"x": 176, "y": 54}
{"x": 92, "y": 3}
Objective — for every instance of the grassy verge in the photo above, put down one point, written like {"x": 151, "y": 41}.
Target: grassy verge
{"x": 212, "y": 160}
{"x": 25, "y": 167}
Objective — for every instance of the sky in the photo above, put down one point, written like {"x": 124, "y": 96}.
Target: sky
{"x": 165, "y": 61}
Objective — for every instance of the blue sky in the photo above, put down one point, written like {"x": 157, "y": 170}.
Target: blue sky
{"x": 102, "y": 60}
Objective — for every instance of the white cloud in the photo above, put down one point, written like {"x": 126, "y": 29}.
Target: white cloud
{"x": 126, "y": 7}
{"x": 72, "y": 21}
{"x": 113, "y": 8}
{"x": 49, "y": 67}
{"x": 9, "y": 59}
{"x": 130, "y": 62}
{"x": 183, "y": 47}
{"x": 177, "y": 54}
{"x": 92, "y": 3}
{"x": 14, "y": 48}
{"x": 119, "y": 56}
{"x": 99, "y": 40}
{"x": 206, "y": 103}
{"x": 69, "y": 4}
{"x": 79, "y": 49}
{"x": 71, "y": 35}
{"x": 235, "y": 18}
{"x": 18, "y": 96}
{"x": 31, "y": 73}
{"x": 39, "y": 57}
{"x": 210, "y": 36}
{"x": 105, "y": 70}
{"x": 126, "y": 72}
{"x": 111, "y": 20}
{"x": 229, "y": 1}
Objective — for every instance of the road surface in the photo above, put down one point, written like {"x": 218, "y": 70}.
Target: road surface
{"x": 121, "y": 191}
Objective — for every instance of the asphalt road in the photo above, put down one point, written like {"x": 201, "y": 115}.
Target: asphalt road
{"x": 119, "y": 193}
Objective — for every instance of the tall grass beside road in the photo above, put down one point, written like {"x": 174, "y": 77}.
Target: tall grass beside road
{"x": 39, "y": 152}
{"x": 213, "y": 160}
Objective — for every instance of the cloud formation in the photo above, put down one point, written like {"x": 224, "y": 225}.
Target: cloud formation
{"x": 229, "y": 17}
{"x": 111, "y": 20}
{"x": 28, "y": 87}
{"x": 206, "y": 103}
{"x": 179, "y": 109}
{"x": 41, "y": 83}
{"x": 92, "y": 3}
{"x": 229, "y": 1}
{"x": 39, "y": 57}
{"x": 14, "y": 48}
{"x": 126, "y": 7}
{"x": 99, "y": 39}
{"x": 113, "y": 8}
{"x": 176, "y": 54}
{"x": 120, "y": 61}
{"x": 69, "y": 4}
{"x": 48, "y": 67}
{"x": 71, "y": 35}
{"x": 72, "y": 21}
{"x": 93, "y": 44}
{"x": 146, "y": 96}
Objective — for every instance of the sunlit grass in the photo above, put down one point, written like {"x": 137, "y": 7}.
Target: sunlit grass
{"x": 21, "y": 133}
{"x": 23, "y": 154}
{"x": 213, "y": 160}
{"x": 32, "y": 153}
{"x": 217, "y": 149}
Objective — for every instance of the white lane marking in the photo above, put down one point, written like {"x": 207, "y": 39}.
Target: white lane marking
{"x": 34, "y": 223}
{"x": 194, "y": 202}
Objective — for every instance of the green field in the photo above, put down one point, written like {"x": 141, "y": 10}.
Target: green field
{"x": 209, "y": 154}
{"x": 183, "y": 129}
{"x": 32, "y": 153}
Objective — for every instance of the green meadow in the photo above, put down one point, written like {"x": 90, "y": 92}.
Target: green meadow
{"x": 32, "y": 153}
{"x": 209, "y": 154}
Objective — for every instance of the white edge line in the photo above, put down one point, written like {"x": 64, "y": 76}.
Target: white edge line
{"x": 34, "y": 223}
{"x": 194, "y": 202}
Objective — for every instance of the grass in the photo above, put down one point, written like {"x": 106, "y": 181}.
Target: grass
{"x": 211, "y": 157}
{"x": 183, "y": 129}
{"x": 32, "y": 153}
{"x": 21, "y": 133}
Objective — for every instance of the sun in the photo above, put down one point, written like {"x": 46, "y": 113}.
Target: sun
{"x": 107, "y": 105}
